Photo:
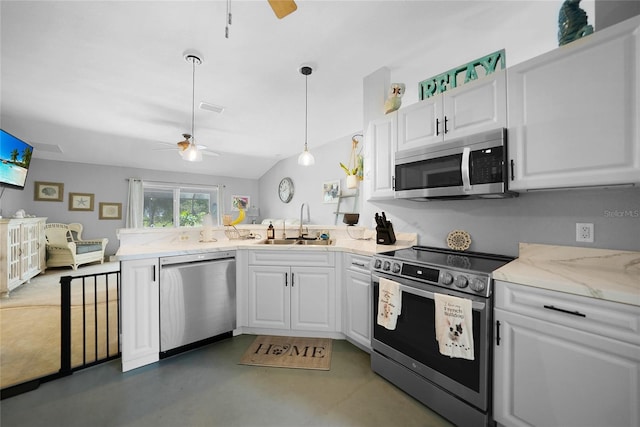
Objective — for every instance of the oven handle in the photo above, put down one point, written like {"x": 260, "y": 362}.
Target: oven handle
{"x": 476, "y": 305}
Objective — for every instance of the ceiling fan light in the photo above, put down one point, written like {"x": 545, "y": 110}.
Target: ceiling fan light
{"x": 306, "y": 158}
{"x": 192, "y": 154}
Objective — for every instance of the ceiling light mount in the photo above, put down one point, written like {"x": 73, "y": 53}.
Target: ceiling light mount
{"x": 193, "y": 57}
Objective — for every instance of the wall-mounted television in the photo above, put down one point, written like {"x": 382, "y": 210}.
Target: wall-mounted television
{"x": 15, "y": 158}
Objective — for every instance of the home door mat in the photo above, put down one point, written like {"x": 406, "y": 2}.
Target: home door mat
{"x": 289, "y": 352}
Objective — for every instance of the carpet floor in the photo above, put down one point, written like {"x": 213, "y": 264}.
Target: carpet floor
{"x": 30, "y": 323}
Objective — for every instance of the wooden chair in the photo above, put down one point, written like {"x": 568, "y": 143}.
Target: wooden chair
{"x": 65, "y": 246}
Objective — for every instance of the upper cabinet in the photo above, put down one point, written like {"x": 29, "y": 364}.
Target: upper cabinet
{"x": 475, "y": 107}
{"x": 573, "y": 113}
{"x": 380, "y": 146}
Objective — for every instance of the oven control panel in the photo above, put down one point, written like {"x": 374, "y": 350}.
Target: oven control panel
{"x": 468, "y": 282}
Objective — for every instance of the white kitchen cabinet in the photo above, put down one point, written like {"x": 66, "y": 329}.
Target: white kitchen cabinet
{"x": 380, "y": 147}
{"x": 22, "y": 251}
{"x": 140, "y": 305}
{"x": 573, "y": 113}
{"x": 474, "y": 107}
{"x": 564, "y": 360}
{"x": 357, "y": 297}
{"x": 285, "y": 294}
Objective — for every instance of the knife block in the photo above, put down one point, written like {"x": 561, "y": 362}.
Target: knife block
{"x": 385, "y": 235}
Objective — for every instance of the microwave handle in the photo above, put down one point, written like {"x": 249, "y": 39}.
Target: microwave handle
{"x": 466, "y": 179}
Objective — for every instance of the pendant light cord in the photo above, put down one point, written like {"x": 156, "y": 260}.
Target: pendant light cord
{"x": 306, "y": 108}
{"x": 193, "y": 98}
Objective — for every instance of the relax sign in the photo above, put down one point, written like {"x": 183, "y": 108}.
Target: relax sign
{"x": 460, "y": 75}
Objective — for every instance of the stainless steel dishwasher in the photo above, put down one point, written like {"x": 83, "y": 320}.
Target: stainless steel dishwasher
{"x": 197, "y": 300}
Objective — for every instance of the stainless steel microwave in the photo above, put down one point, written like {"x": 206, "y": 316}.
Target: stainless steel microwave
{"x": 474, "y": 166}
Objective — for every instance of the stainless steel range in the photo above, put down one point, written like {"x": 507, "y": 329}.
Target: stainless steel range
{"x": 409, "y": 356}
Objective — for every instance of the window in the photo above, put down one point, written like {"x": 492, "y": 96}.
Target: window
{"x": 175, "y": 205}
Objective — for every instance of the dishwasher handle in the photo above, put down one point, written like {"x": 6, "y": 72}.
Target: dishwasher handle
{"x": 172, "y": 261}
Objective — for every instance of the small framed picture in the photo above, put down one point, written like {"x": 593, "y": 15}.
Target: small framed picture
{"x": 330, "y": 191}
{"x": 49, "y": 191}
{"x": 81, "y": 201}
{"x": 108, "y": 210}
{"x": 239, "y": 202}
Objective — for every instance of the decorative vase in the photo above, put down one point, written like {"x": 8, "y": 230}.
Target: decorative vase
{"x": 352, "y": 181}
{"x": 572, "y": 22}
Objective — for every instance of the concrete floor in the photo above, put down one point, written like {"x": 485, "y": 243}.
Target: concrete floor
{"x": 207, "y": 387}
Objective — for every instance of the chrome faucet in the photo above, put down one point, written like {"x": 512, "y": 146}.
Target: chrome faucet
{"x": 300, "y": 233}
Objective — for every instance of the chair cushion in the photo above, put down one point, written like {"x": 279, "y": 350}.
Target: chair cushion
{"x": 83, "y": 248}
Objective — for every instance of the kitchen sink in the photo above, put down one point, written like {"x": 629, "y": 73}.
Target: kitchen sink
{"x": 302, "y": 242}
{"x": 279, "y": 242}
{"x": 315, "y": 242}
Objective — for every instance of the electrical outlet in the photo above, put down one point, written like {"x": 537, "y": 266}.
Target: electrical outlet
{"x": 584, "y": 232}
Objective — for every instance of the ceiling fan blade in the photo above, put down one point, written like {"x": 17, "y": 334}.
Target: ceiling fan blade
{"x": 283, "y": 7}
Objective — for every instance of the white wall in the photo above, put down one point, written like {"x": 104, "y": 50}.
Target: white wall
{"x": 109, "y": 184}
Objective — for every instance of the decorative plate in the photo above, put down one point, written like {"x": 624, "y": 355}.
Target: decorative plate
{"x": 459, "y": 240}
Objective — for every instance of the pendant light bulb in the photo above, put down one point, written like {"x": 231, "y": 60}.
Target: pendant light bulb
{"x": 306, "y": 158}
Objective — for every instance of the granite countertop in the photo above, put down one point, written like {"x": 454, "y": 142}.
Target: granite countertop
{"x": 153, "y": 245}
{"x": 606, "y": 274}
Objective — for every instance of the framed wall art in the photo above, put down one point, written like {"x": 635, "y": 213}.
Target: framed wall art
{"x": 240, "y": 202}
{"x": 81, "y": 201}
{"x": 108, "y": 210}
{"x": 48, "y": 191}
{"x": 330, "y": 191}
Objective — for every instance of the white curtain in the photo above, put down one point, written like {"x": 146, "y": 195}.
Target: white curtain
{"x": 135, "y": 203}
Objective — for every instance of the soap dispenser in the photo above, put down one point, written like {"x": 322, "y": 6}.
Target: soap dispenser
{"x": 271, "y": 232}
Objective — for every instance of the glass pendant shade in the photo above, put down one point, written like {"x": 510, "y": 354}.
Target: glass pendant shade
{"x": 306, "y": 158}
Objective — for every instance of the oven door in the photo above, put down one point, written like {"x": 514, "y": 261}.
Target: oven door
{"x": 413, "y": 343}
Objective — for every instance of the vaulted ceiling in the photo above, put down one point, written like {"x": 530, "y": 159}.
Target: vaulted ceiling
{"x": 106, "y": 82}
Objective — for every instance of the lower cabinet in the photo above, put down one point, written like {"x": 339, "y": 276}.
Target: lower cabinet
{"x": 565, "y": 360}
{"x": 357, "y": 300}
{"x": 296, "y": 297}
{"x": 140, "y": 305}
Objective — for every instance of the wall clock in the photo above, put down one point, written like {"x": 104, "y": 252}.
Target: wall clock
{"x": 285, "y": 190}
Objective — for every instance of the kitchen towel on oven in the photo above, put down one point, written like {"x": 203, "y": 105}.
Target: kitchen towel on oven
{"x": 389, "y": 303}
{"x": 454, "y": 326}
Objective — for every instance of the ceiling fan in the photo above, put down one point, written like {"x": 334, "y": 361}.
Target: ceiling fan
{"x": 184, "y": 149}
{"x": 281, "y": 8}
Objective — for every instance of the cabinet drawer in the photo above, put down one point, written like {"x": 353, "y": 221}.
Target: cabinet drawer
{"x": 308, "y": 258}
{"x": 614, "y": 320}
{"x": 356, "y": 262}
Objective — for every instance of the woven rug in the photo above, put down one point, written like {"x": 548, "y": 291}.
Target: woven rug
{"x": 289, "y": 352}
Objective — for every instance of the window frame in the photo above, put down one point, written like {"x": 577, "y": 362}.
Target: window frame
{"x": 177, "y": 189}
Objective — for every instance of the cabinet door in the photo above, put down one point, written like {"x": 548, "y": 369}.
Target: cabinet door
{"x": 269, "y": 297}
{"x": 358, "y": 307}
{"x": 380, "y": 153}
{"x": 30, "y": 253}
{"x": 573, "y": 113}
{"x": 140, "y": 303}
{"x": 477, "y": 106}
{"x": 420, "y": 124}
{"x": 14, "y": 255}
{"x": 313, "y": 299}
{"x": 547, "y": 374}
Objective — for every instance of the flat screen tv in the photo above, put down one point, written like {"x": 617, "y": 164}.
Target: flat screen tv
{"x": 15, "y": 158}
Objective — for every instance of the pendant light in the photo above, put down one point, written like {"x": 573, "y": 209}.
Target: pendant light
{"x": 192, "y": 153}
{"x": 306, "y": 158}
